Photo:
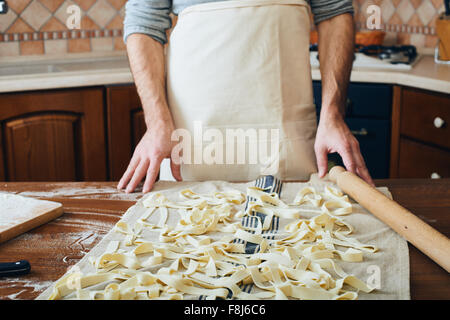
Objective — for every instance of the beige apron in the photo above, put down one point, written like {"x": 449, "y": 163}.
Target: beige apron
{"x": 241, "y": 69}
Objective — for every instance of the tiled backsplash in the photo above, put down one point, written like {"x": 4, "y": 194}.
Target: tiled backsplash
{"x": 39, "y": 26}
{"x": 404, "y": 21}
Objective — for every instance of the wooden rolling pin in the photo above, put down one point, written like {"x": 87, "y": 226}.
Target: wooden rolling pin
{"x": 425, "y": 238}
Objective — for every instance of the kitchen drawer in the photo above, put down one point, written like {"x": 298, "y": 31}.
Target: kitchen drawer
{"x": 373, "y": 137}
{"x": 417, "y": 160}
{"x": 426, "y": 117}
{"x": 364, "y": 100}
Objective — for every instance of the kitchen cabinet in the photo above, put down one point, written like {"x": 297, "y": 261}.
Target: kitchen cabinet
{"x": 53, "y": 135}
{"x": 125, "y": 126}
{"x": 420, "y": 145}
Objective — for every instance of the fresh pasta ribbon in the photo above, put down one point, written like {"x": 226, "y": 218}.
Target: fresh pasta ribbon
{"x": 191, "y": 260}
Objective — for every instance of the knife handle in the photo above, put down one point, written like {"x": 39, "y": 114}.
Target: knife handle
{"x": 10, "y": 269}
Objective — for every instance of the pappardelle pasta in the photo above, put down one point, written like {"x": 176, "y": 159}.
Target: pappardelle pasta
{"x": 205, "y": 253}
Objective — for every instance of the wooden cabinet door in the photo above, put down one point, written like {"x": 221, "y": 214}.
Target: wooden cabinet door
{"x": 420, "y": 134}
{"x": 53, "y": 136}
{"x": 126, "y": 126}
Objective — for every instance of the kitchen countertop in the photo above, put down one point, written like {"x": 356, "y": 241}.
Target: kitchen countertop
{"x": 91, "y": 209}
{"x": 425, "y": 74}
{"x": 82, "y": 70}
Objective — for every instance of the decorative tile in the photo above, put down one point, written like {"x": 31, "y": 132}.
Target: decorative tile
{"x": 85, "y": 5}
{"x": 31, "y": 47}
{"x": 122, "y": 12}
{"x": 119, "y": 45}
{"x": 102, "y": 44}
{"x": 403, "y": 38}
{"x": 396, "y": 3}
{"x": 55, "y": 46}
{"x": 9, "y": 49}
{"x": 40, "y": 26}
{"x": 53, "y": 24}
{"x": 61, "y": 14}
{"x": 18, "y": 5}
{"x": 79, "y": 45}
{"x": 19, "y": 26}
{"x": 362, "y": 16}
{"x": 395, "y": 19}
{"x": 405, "y": 10}
{"x": 432, "y": 22}
{"x": 51, "y": 5}
{"x": 387, "y": 10}
{"x": 36, "y": 15}
{"x": 426, "y": 12}
{"x": 416, "y": 3}
{"x": 417, "y": 40}
{"x": 431, "y": 41}
{"x": 102, "y": 12}
{"x": 117, "y": 4}
{"x": 6, "y": 20}
{"x": 437, "y": 3}
{"x": 115, "y": 23}
{"x": 415, "y": 21}
{"x": 88, "y": 24}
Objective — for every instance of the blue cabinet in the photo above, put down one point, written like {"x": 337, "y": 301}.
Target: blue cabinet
{"x": 368, "y": 114}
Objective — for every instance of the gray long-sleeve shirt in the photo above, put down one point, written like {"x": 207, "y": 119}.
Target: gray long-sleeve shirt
{"x": 152, "y": 17}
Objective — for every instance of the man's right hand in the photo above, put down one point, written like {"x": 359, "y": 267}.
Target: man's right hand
{"x": 147, "y": 63}
{"x": 155, "y": 145}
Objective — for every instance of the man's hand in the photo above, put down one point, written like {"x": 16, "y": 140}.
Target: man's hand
{"x": 147, "y": 63}
{"x": 333, "y": 135}
{"x": 154, "y": 146}
{"x": 336, "y": 46}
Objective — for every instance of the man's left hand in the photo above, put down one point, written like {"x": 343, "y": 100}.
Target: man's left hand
{"x": 333, "y": 135}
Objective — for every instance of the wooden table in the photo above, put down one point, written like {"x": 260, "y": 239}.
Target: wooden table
{"x": 92, "y": 208}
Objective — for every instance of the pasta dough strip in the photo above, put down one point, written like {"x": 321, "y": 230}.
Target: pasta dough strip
{"x": 286, "y": 267}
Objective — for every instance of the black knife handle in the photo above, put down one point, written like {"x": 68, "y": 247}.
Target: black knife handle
{"x": 11, "y": 269}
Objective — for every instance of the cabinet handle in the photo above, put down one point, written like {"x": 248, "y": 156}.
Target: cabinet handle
{"x": 361, "y": 132}
{"x": 435, "y": 175}
{"x": 438, "y": 122}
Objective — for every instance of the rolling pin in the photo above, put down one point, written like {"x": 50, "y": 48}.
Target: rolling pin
{"x": 425, "y": 238}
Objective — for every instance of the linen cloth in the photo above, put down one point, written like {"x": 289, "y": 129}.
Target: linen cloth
{"x": 392, "y": 259}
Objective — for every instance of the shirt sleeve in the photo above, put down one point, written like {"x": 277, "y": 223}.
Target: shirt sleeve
{"x": 150, "y": 17}
{"x": 326, "y": 9}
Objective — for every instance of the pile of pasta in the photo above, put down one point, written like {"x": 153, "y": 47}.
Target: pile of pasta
{"x": 205, "y": 254}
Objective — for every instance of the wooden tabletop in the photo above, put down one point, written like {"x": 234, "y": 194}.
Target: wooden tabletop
{"x": 92, "y": 208}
